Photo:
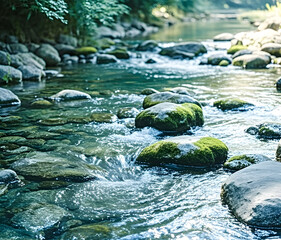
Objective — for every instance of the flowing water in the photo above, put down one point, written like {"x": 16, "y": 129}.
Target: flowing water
{"x": 137, "y": 202}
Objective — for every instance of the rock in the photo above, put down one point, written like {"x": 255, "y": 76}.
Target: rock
{"x": 162, "y": 97}
{"x": 180, "y": 90}
{"x": 40, "y": 217}
{"x": 41, "y": 103}
{"x": 278, "y": 152}
{"x": 11, "y": 39}
{"x": 106, "y": 32}
{"x": 86, "y": 50}
{"x": 133, "y": 32}
{"x": 16, "y": 60}
{"x": 224, "y": 63}
{"x": 104, "y": 43}
{"x": 139, "y": 25}
{"x": 65, "y": 49}
{"x": 70, "y": 95}
{"x": 128, "y": 112}
{"x": 40, "y": 166}
{"x": 253, "y": 195}
{"x": 241, "y": 53}
{"x": 31, "y": 73}
{"x": 9, "y": 233}
{"x": 120, "y": 53}
{"x": 253, "y": 61}
{"x": 272, "y": 48}
{"x": 149, "y": 91}
{"x": 67, "y": 40}
{"x": 278, "y": 84}
{"x": 150, "y": 61}
{"x": 70, "y": 59}
{"x": 8, "y": 98}
{"x": 270, "y": 131}
{"x": 171, "y": 117}
{"x": 17, "y": 48}
{"x": 32, "y": 47}
{"x": 9, "y": 74}
{"x": 270, "y": 23}
{"x": 5, "y": 58}
{"x": 182, "y": 150}
{"x": 234, "y": 49}
{"x": 103, "y": 117}
{"x": 148, "y": 45}
{"x": 49, "y": 54}
{"x": 232, "y": 104}
{"x": 239, "y": 162}
{"x": 106, "y": 58}
{"x": 224, "y": 37}
{"x": 88, "y": 232}
{"x": 190, "y": 47}
{"x": 8, "y": 176}
{"x": 31, "y": 59}
{"x": 216, "y": 59}
{"x": 51, "y": 73}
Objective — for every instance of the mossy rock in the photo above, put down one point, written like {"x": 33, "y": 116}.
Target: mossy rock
{"x": 105, "y": 43}
{"x": 41, "y": 104}
{"x": 182, "y": 150}
{"x": 127, "y": 112}
{"x": 103, "y": 117}
{"x": 269, "y": 131}
{"x": 86, "y": 50}
{"x": 120, "y": 53}
{"x": 239, "y": 162}
{"x": 53, "y": 121}
{"x": 224, "y": 63}
{"x": 12, "y": 139}
{"x": 88, "y": 232}
{"x": 170, "y": 97}
{"x": 149, "y": 91}
{"x": 171, "y": 117}
{"x": 236, "y": 48}
{"x": 232, "y": 104}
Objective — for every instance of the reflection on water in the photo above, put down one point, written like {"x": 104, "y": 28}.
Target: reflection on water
{"x": 133, "y": 201}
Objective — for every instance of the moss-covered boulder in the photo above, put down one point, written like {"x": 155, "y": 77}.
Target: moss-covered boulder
{"x": 232, "y": 104}
{"x": 120, "y": 53}
{"x": 128, "y": 112}
{"x": 239, "y": 162}
{"x": 86, "y": 50}
{"x": 162, "y": 97}
{"x": 236, "y": 48}
{"x": 252, "y": 61}
{"x": 171, "y": 117}
{"x": 182, "y": 150}
{"x": 103, "y": 117}
{"x": 266, "y": 130}
{"x": 224, "y": 63}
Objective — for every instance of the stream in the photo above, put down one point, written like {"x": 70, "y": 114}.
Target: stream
{"x": 131, "y": 201}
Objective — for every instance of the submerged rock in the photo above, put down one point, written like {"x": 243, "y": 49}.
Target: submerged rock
{"x": 42, "y": 166}
{"x": 239, "y": 162}
{"x": 171, "y": 117}
{"x": 189, "y": 47}
{"x": 49, "y": 54}
{"x": 224, "y": 37}
{"x": 149, "y": 91}
{"x": 9, "y": 74}
{"x": 70, "y": 95}
{"x": 41, "y": 103}
{"x": 162, "y": 97}
{"x": 253, "y": 194}
{"x": 129, "y": 112}
{"x": 182, "y": 150}
{"x": 103, "y": 117}
{"x": 106, "y": 58}
{"x": 8, "y": 98}
{"x": 232, "y": 104}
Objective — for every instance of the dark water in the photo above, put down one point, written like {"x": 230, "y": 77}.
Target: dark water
{"x": 135, "y": 202}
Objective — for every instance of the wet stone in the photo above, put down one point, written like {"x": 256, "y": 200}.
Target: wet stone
{"x": 127, "y": 113}
{"x": 103, "y": 117}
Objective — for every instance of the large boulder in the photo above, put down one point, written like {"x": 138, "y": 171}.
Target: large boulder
{"x": 70, "y": 95}
{"x": 216, "y": 59}
{"x": 65, "y": 49}
{"x": 224, "y": 37}
{"x": 30, "y": 59}
{"x": 148, "y": 45}
{"x": 272, "y": 48}
{"x": 9, "y": 74}
{"x": 5, "y": 58}
{"x": 49, "y": 54}
{"x": 253, "y": 194}
{"x": 171, "y": 117}
{"x": 106, "y": 32}
{"x": 239, "y": 162}
{"x": 241, "y": 53}
{"x": 253, "y": 61}
{"x": 233, "y": 104}
{"x": 31, "y": 73}
{"x": 106, "y": 58}
{"x": 270, "y": 23}
{"x": 43, "y": 166}
{"x": 189, "y": 47}
{"x": 67, "y": 40}
{"x": 17, "y": 48}
{"x": 162, "y": 97}
{"x": 182, "y": 150}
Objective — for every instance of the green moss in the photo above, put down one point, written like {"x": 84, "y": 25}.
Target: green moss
{"x": 41, "y": 104}
{"x": 86, "y": 50}
{"x": 239, "y": 162}
{"x": 120, "y": 53}
{"x": 223, "y": 63}
{"x": 265, "y": 131}
{"x": 236, "y": 48}
{"x": 231, "y": 104}
{"x": 242, "y": 157}
{"x": 103, "y": 117}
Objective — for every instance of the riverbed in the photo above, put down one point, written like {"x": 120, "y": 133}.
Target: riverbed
{"x": 129, "y": 200}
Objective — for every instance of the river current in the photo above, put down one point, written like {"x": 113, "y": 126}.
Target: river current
{"x": 133, "y": 201}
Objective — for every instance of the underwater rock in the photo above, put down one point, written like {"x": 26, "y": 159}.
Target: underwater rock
{"x": 253, "y": 195}
{"x": 103, "y": 117}
{"x": 239, "y": 162}
{"x": 232, "y": 104}
{"x": 171, "y": 117}
{"x": 8, "y": 176}
{"x": 41, "y": 103}
{"x": 162, "y": 97}
{"x": 182, "y": 150}
{"x": 8, "y": 98}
